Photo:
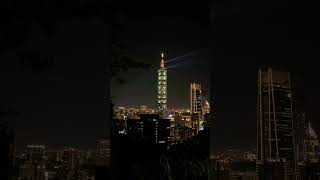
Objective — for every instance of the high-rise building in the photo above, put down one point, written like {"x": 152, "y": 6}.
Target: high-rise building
{"x": 196, "y": 105}
{"x": 36, "y": 153}
{"x": 150, "y": 129}
{"x": 206, "y": 106}
{"x": 102, "y": 166}
{"x": 54, "y": 155}
{"x": 195, "y": 98}
{"x": 27, "y": 171}
{"x": 103, "y": 152}
{"x": 300, "y": 136}
{"x": 34, "y": 167}
{"x": 70, "y": 159}
{"x": 206, "y": 113}
{"x": 312, "y": 145}
{"x": 186, "y": 119}
{"x": 162, "y": 87}
{"x": 276, "y": 158}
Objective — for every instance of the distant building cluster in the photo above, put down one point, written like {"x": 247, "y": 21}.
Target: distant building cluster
{"x": 234, "y": 154}
{"x": 287, "y": 147}
{"x": 183, "y": 123}
{"x": 38, "y": 162}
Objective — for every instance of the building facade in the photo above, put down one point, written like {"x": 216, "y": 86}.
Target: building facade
{"x": 162, "y": 87}
{"x": 196, "y": 105}
{"x": 150, "y": 129}
{"x": 103, "y": 152}
{"x": 195, "y": 98}
{"x": 276, "y": 157}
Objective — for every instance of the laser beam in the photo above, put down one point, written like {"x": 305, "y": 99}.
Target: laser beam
{"x": 192, "y": 53}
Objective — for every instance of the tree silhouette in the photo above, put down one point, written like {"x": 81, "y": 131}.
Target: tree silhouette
{"x": 18, "y": 17}
{"x": 122, "y": 62}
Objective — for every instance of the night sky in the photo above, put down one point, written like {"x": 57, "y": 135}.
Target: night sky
{"x": 63, "y": 104}
{"x": 248, "y": 35}
{"x": 176, "y": 28}
{"x": 59, "y": 104}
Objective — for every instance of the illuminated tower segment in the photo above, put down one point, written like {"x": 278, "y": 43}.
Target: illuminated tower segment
{"x": 162, "y": 86}
{"x": 196, "y": 104}
{"x": 195, "y": 98}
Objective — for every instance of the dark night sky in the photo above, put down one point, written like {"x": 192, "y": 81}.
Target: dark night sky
{"x": 64, "y": 104}
{"x": 248, "y": 35}
{"x": 243, "y": 36}
{"x": 177, "y": 30}
{"x": 61, "y": 105}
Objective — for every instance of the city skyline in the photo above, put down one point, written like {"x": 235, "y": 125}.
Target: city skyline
{"x": 179, "y": 79}
{"x": 54, "y": 78}
{"x": 83, "y": 84}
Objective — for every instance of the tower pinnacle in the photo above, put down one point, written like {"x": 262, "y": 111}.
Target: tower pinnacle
{"x": 162, "y": 61}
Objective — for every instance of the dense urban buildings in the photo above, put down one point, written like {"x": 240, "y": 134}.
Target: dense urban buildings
{"x": 38, "y": 162}
{"x": 150, "y": 129}
{"x": 287, "y": 145}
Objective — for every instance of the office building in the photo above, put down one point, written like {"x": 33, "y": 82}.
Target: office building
{"x": 102, "y": 170}
{"x": 301, "y": 127}
{"x": 276, "y": 157}
{"x": 103, "y": 152}
{"x": 196, "y": 105}
{"x": 70, "y": 159}
{"x": 27, "y": 171}
{"x": 150, "y": 129}
{"x": 195, "y": 98}
{"x": 36, "y": 153}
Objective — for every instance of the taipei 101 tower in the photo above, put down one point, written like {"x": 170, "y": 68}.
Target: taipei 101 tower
{"x": 162, "y": 87}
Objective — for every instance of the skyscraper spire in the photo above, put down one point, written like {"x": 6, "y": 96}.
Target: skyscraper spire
{"x": 162, "y": 61}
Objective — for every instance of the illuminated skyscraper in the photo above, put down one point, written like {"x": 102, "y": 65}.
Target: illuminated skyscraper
{"x": 196, "y": 105}
{"x": 276, "y": 157}
{"x": 162, "y": 87}
{"x": 195, "y": 98}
